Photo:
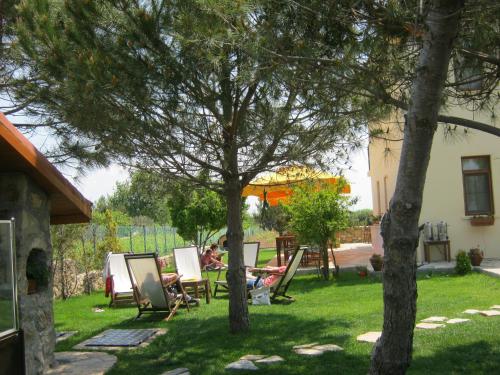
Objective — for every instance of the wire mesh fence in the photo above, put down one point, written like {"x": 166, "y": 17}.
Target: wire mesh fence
{"x": 161, "y": 239}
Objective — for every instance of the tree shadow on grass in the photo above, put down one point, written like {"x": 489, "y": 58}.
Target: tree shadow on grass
{"x": 206, "y": 347}
{"x": 475, "y": 358}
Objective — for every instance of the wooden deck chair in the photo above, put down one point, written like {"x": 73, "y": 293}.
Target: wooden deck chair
{"x": 281, "y": 285}
{"x": 150, "y": 293}
{"x": 250, "y": 258}
{"x": 187, "y": 265}
{"x": 118, "y": 279}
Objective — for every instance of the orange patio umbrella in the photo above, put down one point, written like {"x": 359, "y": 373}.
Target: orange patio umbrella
{"x": 277, "y": 186}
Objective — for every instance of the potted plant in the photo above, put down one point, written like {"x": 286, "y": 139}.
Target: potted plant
{"x": 476, "y": 256}
{"x": 377, "y": 262}
{"x": 362, "y": 271}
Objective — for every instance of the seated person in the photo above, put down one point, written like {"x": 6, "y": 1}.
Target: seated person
{"x": 208, "y": 261}
{"x": 275, "y": 273}
{"x": 215, "y": 253}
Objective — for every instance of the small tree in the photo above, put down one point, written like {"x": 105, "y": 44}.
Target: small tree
{"x": 316, "y": 215}
{"x": 110, "y": 242}
{"x": 65, "y": 239}
{"x": 198, "y": 214}
{"x": 273, "y": 218}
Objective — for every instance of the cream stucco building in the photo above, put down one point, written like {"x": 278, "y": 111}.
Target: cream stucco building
{"x": 462, "y": 186}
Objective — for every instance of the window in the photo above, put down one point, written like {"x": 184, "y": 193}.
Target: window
{"x": 478, "y": 191}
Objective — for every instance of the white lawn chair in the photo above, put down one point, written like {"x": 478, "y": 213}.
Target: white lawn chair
{"x": 120, "y": 286}
{"x": 250, "y": 257}
{"x": 149, "y": 291}
{"x": 187, "y": 264}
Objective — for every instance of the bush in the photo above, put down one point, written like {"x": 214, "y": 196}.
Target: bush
{"x": 463, "y": 263}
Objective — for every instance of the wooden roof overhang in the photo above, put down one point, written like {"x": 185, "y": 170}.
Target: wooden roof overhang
{"x": 17, "y": 154}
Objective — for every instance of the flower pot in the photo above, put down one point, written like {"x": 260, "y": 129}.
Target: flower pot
{"x": 479, "y": 221}
{"x": 377, "y": 262}
{"x": 476, "y": 257}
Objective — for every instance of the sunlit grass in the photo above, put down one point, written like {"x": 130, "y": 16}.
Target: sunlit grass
{"x": 326, "y": 312}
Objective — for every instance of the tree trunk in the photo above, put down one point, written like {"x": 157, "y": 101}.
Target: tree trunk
{"x": 324, "y": 257}
{"x": 392, "y": 353}
{"x": 238, "y": 305}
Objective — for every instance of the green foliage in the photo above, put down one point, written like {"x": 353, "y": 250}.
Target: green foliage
{"x": 110, "y": 242}
{"x": 463, "y": 265}
{"x": 146, "y": 194}
{"x": 316, "y": 215}
{"x": 273, "y": 218}
{"x": 362, "y": 217}
{"x": 197, "y": 214}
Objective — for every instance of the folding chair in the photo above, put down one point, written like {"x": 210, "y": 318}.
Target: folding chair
{"x": 117, "y": 279}
{"x": 250, "y": 257}
{"x": 150, "y": 293}
{"x": 281, "y": 286}
{"x": 187, "y": 264}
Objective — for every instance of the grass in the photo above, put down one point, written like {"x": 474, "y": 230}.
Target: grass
{"x": 326, "y": 312}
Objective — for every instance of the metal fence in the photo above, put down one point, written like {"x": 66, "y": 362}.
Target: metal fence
{"x": 160, "y": 239}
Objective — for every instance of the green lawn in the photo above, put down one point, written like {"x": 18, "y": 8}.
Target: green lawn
{"x": 326, "y": 312}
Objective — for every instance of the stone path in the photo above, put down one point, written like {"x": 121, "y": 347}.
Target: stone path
{"x": 457, "y": 320}
{"x": 177, "y": 371}
{"x": 429, "y": 325}
{"x": 370, "y": 337}
{"x": 434, "y": 319}
{"x": 82, "y": 363}
{"x": 242, "y": 364}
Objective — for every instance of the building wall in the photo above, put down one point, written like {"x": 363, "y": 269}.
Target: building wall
{"x": 443, "y": 193}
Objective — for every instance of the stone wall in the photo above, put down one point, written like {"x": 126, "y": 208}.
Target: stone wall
{"x": 21, "y": 199}
{"x": 354, "y": 235}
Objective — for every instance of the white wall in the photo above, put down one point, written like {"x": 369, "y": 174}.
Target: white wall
{"x": 443, "y": 192}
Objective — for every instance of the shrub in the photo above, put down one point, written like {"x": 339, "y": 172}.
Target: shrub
{"x": 463, "y": 263}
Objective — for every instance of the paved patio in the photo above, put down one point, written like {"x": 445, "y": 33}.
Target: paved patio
{"x": 351, "y": 255}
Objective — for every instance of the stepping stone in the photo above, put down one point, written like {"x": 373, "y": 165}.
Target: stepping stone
{"x": 270, "y": 360}
{"x": 82, "y": 363}
{"x": 371, "y": 337}
{"x": 457, "y": 320}
{"x": 252, "y": 357}
{"x": 495, "y": 307}
{"x": 309, "y": 352}
{"x": 177, "y": 371}
{"x": 490, "y": 313}
{"x": 434, "y": 319}
{"x": 242, "y": 364}
{"x": 471, "y": 311}
{"x": 429, "y": 325}
{"x": 328, "y": 348}
{"x": 306, "y": 345}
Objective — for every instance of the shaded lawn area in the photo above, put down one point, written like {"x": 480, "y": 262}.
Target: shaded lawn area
{"x": 326, "y": 312}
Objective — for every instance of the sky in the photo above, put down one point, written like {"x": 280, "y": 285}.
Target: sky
{"x": 102, "y": 181}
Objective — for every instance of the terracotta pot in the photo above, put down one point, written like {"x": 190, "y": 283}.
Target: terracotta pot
{"x": 478, "y": 221}
{"x": 476, "y": 259}
{"x": 377, "y": 263}
{"x": 362, "y": 274}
